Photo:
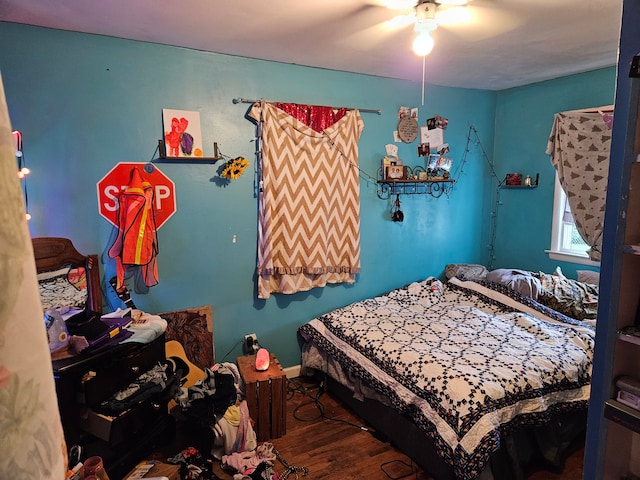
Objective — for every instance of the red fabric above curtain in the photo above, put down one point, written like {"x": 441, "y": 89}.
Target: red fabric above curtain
{"x": 316, "y": 117}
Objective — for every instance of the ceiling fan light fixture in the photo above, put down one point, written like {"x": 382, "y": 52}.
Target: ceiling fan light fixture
{"x": 426, "y": 17}
{"x": 423, "y": 43}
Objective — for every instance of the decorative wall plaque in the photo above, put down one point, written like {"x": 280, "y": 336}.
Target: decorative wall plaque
{"x": 407, "y": 129}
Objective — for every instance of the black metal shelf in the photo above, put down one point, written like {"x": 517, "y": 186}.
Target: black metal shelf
{"x": 186, "y": 159}
{"x": 163, "y": 158}
{"x": 533, "y": 184}
{"x": 435, "y": 186}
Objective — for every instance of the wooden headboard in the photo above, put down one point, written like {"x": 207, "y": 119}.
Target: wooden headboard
{"x": 52, "y": 252}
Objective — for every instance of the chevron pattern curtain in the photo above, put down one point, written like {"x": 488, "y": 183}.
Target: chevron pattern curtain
{"x": 309, "y": 215}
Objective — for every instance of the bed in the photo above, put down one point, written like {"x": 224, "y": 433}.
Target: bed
{"x": 471, "y": 379}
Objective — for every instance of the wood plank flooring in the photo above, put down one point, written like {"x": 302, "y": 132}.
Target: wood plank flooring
{"x": 333, "y": 449}
{"x": 340, "y": 449}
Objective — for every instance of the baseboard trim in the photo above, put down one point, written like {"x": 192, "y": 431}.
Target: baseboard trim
{"x": 292, "y": 372}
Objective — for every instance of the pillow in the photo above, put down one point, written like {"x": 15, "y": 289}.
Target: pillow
{"x": 589, "y": 276}
{"x": 521, "y": 281}
{"x": 466, "y": 271}
{"x": 65, "y": 287}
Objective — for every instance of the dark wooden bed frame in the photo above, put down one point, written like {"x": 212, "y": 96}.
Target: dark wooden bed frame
{"x": 52, "y": 253}
{"x": 521, "y": 450}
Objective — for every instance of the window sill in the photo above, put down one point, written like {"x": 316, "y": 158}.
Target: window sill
{"x": 572, "y": 258}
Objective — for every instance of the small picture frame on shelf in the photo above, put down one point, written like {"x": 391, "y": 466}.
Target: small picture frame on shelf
{"x": 386, "y": 161}
{"x": 396, "y": 172}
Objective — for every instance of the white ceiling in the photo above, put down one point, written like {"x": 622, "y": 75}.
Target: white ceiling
{"x": 509, "y": 42}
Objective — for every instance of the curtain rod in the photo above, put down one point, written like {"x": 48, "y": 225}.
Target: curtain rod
{"x": 603, "y": 109}
{"x": 365, "y": 110}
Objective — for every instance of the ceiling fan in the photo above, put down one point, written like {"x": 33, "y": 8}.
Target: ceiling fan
{"x": 427, "y": 15}
{"x": 480, "y": 18}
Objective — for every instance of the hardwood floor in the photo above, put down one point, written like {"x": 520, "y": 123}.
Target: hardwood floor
{"x": 339, "y": 449}
{"x": 333, "y": 449}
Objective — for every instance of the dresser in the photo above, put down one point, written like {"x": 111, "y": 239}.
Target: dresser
{"x": 84, "y": 381}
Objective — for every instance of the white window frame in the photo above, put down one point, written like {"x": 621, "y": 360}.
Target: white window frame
{"x": 556, "y": 252}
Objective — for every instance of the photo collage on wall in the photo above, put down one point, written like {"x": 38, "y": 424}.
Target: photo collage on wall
{"x": 431, "y": 146}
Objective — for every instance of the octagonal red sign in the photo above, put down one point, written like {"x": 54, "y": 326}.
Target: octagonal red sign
{"x": 117, "y": 180}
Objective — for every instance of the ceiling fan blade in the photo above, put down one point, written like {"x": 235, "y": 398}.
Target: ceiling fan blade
{"x": 484, "y": 22}
{"x": 399, "y": 4}
{"x": 372, "y": 36}
{"x": 377, "y": 26}
{"x": 400, "y": 21}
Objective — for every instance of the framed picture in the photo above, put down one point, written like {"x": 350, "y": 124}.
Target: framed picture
{"x": 182, "y": 135}
{"x": 396, "y": 172}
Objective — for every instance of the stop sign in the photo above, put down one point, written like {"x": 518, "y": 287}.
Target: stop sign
{"x": 117, "y": 180}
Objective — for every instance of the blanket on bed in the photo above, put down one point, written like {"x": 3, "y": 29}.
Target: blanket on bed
{"x": 467, "y": 363}
{"x": 570, "y": 297}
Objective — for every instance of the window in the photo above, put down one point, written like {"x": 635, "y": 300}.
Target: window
{"x": 566, "y": 243}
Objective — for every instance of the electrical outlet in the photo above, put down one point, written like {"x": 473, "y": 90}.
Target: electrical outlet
{"x": 251, "y": 343}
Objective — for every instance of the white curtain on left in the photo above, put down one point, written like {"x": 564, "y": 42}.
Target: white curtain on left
{"x": 31, "y": 437}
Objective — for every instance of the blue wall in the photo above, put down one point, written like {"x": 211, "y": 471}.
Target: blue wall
{"x": 86, "y": 102}
{"x": 524, "y": 117}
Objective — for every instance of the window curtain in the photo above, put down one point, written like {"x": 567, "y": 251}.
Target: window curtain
{"x": 32, "y": 439}
{"x": 579, "y": 145}
{"x": 309, "y": 204}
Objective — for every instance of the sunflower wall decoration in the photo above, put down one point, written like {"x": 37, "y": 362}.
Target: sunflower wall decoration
{"x": 234, "y": 168}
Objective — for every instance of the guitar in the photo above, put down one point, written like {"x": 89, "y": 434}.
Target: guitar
{"x": 176, "y": 355}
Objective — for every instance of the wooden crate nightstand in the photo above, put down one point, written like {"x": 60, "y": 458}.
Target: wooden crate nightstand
{"x": 266, "y": 394}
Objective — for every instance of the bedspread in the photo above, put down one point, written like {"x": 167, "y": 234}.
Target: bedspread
{"x": 467, "y": 363}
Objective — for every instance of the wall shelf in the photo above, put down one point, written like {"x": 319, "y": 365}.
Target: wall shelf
{"x": 519, "y": 186}
{"x": 533, "y": 184}
{"x": 186, "y": 159}
{"x": 162, "y": 156}
{"x": 434, "y": 186}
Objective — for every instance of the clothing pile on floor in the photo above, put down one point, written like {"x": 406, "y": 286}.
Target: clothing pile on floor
{"x": 256, "y": 465}
{"x": 193, "y": 466}
{"x": 216, "y": 405}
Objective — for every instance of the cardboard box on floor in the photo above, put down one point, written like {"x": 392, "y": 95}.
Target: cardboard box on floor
{"x": 152, "y": 468}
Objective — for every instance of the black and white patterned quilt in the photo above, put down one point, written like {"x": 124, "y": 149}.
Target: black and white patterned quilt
{"x": 469, "y": 364}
